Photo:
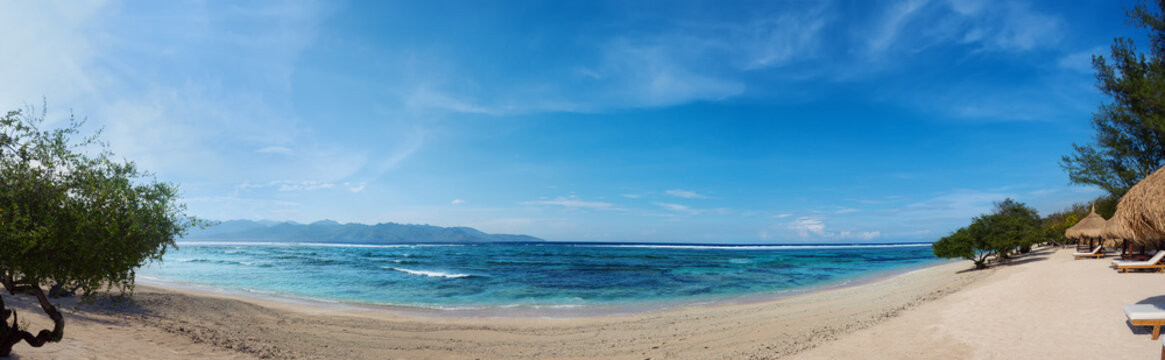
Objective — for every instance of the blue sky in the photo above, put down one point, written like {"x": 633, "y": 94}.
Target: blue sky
{"x": 783, "y": 121}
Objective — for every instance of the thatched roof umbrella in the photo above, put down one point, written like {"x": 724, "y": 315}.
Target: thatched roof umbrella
{"x": 1116, "y": 229}
{"x": 1089, "y": 227}
{"x": 1142, "y": 209}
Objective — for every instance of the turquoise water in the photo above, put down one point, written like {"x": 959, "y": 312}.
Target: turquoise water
{"x": 525, "y": 274}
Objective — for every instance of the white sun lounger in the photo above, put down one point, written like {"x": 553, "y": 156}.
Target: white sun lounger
{"x": 1154, "y": 263}
{"x": 1096, "y": 253}
{"x": 1119, "y": 261}
{"x": 1147, "y": 315}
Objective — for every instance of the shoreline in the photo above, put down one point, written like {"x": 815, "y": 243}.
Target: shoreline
{"x": 243, "y": 327}
{"x": 537, "y": 311}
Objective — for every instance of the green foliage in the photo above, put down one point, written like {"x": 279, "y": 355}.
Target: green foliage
{"x": 1130, "y": 130}
{"x": 962, "y": 244}
{"x": 1055, "y": 224}
{"x": 75, "y": 219}
{"x": 1012, "y": 226}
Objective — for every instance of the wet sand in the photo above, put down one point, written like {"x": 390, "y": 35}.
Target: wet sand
{"x": 168, "y": 323}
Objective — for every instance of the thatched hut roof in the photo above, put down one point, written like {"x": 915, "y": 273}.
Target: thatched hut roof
{"x": 1143, "y": 208}
{"x": 1115, "y": 229}
{"x": 1089, "y": 227}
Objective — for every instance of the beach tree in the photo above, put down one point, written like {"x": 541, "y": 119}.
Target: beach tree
{"x": 962, "y": 244}
{"x": 73, "y": 217}
{"x": 1130, "y": 130}
{"x": 1012, "y": 226}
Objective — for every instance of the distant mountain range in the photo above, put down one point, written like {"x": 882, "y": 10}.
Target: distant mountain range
{"x": 328, "y": 231}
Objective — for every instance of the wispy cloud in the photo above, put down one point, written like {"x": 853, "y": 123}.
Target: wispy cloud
{"x": 456, "y": 202}
{"x": 690, "y": 210}
{"x": 681, "y": 62}
{"x": 894, "y": 20}
{"x": 674, "y": 207}
{"x": 914, "y": 25}
{"x": 285, "y": 185}
{"x": 573, "y": 202}
{"x": 807, "y": 227}
{"x": 355, "y": 187}
{"x": 686, "y": 194}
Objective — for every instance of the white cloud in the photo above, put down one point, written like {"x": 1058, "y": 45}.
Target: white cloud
{"x": 807, "y": 227}
{"x": 782, "y": 216}
{"x": 782, "y": 39}
{"x": 655, "y": 73}
{"x": 892, "y": 24}
{"x": 457, "y": 202}
{"x": 674, "y": 207}
{"x": 355, "y": 187}
{"x": 182, "y": 96}
{"x": 573, "y": 202}
{"x": 1009, "y": 27}
{"x": 692, "y": 211}
{"x": 685, "y": 194}
{"x": 288, "y": 186}
{"x": 50, "y": 51}
{"x": 631, "y": 196}
{"x": 1020, "y": 29}
{"x": 682, "y": 62}
{"x": 846, "y": 211}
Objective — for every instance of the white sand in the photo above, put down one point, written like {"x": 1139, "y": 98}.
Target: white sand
{"x": 1052, "y": 308}
{"x": 1043, "y": 306}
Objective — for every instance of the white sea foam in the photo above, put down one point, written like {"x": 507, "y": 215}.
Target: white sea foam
{"x": 754, "y": 247}
{"x": 427, "y": 273}
{"x": 239, "y": 244}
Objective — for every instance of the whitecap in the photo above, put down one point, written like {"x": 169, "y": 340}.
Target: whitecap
{"x": 428, "y": 273}
{"x": 753, "y": 247}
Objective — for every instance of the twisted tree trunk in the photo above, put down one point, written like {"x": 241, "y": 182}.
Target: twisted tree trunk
{"x": 10, "y": 335}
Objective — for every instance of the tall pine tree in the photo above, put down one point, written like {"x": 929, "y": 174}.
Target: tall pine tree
{"x": 1130, "y": 130}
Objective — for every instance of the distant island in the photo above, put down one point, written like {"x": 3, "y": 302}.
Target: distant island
{"x": 328, "y": 231}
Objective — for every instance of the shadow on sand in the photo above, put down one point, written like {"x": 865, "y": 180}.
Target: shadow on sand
{"x": 1039, "y": 254}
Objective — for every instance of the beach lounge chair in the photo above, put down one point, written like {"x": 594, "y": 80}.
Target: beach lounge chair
{"x": 1153, "y": 263}
{"x": 1096, "y": 253}
{"x": 1147, "y": 315}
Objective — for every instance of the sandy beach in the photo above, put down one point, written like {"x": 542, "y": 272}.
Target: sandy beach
{"x": 1043, "y": 305}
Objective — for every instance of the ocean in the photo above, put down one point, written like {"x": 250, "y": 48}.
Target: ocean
{"x": 544, "y": 275}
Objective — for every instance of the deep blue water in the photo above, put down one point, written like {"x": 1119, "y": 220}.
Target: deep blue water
{"x": 525, "y": 275}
